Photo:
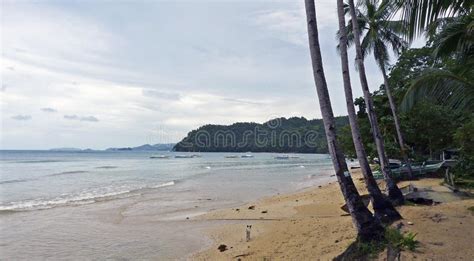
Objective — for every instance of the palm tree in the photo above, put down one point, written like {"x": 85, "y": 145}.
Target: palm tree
{"x": 383, "y": 208}
{"x": 394, "y": 192}
{"x": 381, "y": 32}
{"x": 368, "y": 228}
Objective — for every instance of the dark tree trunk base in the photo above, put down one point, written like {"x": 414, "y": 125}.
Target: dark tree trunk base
{"x": 372, "y": 231}
{"x": 385, "y": 213}
{"x": 395, "y": 196}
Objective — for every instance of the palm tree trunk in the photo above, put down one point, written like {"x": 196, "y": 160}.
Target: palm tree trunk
{"x": 393, "y": 107}
{"x": 368, "y": 228}
{"x": 394, "y": 192}
{"x": 384, "y": 210}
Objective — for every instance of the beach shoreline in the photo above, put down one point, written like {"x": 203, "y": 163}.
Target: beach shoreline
{"x": 310, "y": 224}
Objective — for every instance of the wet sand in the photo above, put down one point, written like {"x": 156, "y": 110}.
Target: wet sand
{"x": 310, "y": 225}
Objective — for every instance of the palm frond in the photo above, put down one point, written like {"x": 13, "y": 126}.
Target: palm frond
{"x": 443, "y": 87}
{"x": 350, "y": 34}
{"x": 418, "y": 14}
{"x": 381, "y": 54}
{"x": 455, "y": 37}
{"x": 367, "y": 44}
{"x": 377, "y": 30}
{"x": 434, "y": 27}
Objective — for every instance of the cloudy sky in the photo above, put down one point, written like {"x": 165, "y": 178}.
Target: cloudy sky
{"x": 96, "y": 74}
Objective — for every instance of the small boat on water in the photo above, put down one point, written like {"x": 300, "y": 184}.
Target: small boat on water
{"x": 159, "y": 157}
{"x": 247, "y": 156}
{"x": 183, "y": 156}
{"x": 231, "y": 156}
{"x": 284, "y": 157}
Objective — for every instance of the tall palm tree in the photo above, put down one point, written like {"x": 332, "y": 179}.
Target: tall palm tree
{"x": 380, "y": 33}
{"x": 383, "y": 208}
{"x": 368, "y": 228}
{"x": 394, "y": 192}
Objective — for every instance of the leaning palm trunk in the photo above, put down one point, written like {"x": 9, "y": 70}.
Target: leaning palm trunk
{"x": 384, "y": 210}
{"x": 393, "y": 107}
{"x": 368, "y": 228}
{"x": 394, "y": 192}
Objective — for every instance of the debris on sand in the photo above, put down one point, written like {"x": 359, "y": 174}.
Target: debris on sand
{"x": 222, "y": 248}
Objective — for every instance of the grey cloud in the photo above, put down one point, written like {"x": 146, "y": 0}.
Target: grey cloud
{"x": 21, "y": 117}
{"x": 81, "y": 118}
{"x": 4, "y": 87}
{"x": 161, "y": 95}
{"x": 47, "y": 109}
{"x": 89, "y": 118}
{"x": 71, "y": 117}
{"x": 242, "y": 101}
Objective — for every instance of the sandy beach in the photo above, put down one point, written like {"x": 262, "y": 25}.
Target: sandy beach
{"x": 310, "y": 225}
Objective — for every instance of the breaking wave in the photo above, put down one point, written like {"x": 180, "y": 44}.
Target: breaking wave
{"x": 85, "y": 197}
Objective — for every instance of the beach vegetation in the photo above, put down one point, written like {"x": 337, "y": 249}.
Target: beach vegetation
{"x": 400, "y": 240}
{"x": 393, "y": 239}
{"x": 432, "y": 86}
{"x": 464, "y": 170}
{"x": 471, "y": 209}
{"x": 369, "y": 249}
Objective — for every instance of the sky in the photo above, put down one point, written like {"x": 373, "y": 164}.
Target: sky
{"x": 98, "y": 74}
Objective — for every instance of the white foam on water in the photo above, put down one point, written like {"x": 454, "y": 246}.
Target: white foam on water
{"x": 82, "y": 198}
{"x": 166, "y": 184}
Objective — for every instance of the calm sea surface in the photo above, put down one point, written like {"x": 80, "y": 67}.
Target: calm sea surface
{"x": 124, "y": 205}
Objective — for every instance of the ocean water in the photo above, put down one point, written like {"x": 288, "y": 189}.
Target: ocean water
{"x": 125, "y": 205}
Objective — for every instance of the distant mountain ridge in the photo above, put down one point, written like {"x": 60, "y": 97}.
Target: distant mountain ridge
{"x": 65, "y": 149}
{"x": 282, "y": 135}
{"x": 145, "y": 147}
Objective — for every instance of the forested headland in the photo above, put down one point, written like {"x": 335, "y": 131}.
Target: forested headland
{"x": 292, "y": 135}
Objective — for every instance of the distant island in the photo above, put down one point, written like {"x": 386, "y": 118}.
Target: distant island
{"x": 65, "y": 149}
{"x": 282, "y": 135}
{"x": 145, "y": 147}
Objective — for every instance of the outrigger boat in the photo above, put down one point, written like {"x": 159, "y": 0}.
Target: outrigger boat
{"x": 183, "y": 156}
{"x": 418, "y": 170}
